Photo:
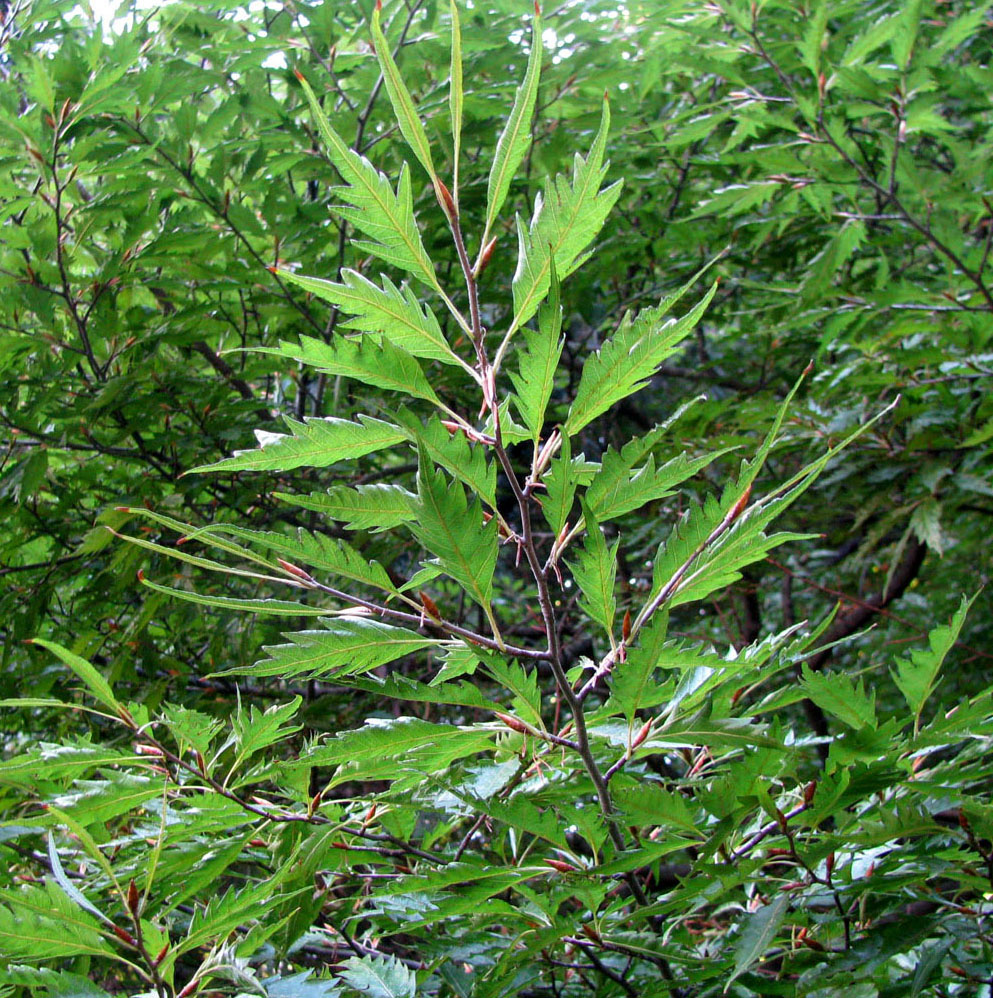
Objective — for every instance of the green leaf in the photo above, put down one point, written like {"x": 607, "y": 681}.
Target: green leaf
{"x": 759, "y": 931}
{"x": 317, "y": 551}
{"x": 626, "y": 362}
{"x": 915, "y": 677}
{"x": 365, "y": 507}
{"x": 453, "y": 452}
{"x": 535, "y": 379}
{"x": 454, "y": 532}
{"x": 595, "y": 572}
{"x": 394, "y": 312}
{"x": 456, "y": 94}
{"x": 346, "y": 645}
{"x": 265, "y": 607}
{"x": 313, "y": 443}
{"x": 387, "y": 217}
{"x": 403, "y": 104}
{"x": 379, "y": 977}
{"x": 564, "y": 475}
{"x": 840, "y": 696}
{"x": 43, "y": 924}
{"x": 51, "y": 983}
{"x": 620, "y": 488}
{"x": 301, "y": 985}
{"x": 254, "y": 729}
{"x": 69, "y": 888}
{"x": 95, "y": 683}
{"x": 566, "y": 219}
{"x": 512, "y": 146}
{"x": 388, "y": 738}
{"x": 369, "y": 359}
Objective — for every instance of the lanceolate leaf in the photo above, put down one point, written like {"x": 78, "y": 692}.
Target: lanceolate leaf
{"x": 403, "y": 104}
{"x": 512, "y": 146}
{"x": 757, "y": 935}
{"x": 630, "y": 357}
{"x": 394, "y": 312}
{"x": 387, "y": 217}
{"x": 389, "y": 738}
{"x": 365, "y": 507}
{"x": 536, "y": 378}
{"x": 369, "y": 359}
{"x": 619, "y": 487}
{"x": 841, "y": 697}
{"x": 451, "y": 451}
{"x": 95, "y": 682}
{"x": 346, "y": 645}
{"x": 454, "y": 531}
{"x": 313, "y": 443}
{"x": 595, "y": 572}
{"x": 318, "y": 551}
{"x": 566, "y": 220}
{"x": 456, "y": 94}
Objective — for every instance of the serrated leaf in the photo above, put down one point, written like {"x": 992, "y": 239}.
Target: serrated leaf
{"x": 403, "y": 104}
{"x": 301, "y": 985}
{"x": 566, "y": 219}
{"x": 757, "y": 934}
{"x": 595, "y": 573}
{"x": 915, "y": 677}
{"x": 317, "y": 551}
{"x": 263, "y": 607}
{"x": 454, "y": 531}
{"x": 563, "y": 476}
{"x": 453, "y": 452}
{"x": 619, "y": 487}
{"x": 631, "y": 681}
{"x": 841, "y": 697}
{"x": 43, "y": 924}
{"x": 379, "y": 977}
{"x": 254, "y": 729}
{"x": 346, "y": 645}
{"x": 387, "y": 217}
{"x": 370, "y": 359}
{"x": 626, "y": 362}
{"x": 514, "y": 140}
{"x": 68, "y": 887}
{"x": 365, "y": 507}
{"x": 534, "y": 380}
{"x": 51, "y": 983}
{"x": 314, "y": 443}
{"x": 117, "y": 793}
{"x": 388, "y": 738}
{"x": 394, "y": 312}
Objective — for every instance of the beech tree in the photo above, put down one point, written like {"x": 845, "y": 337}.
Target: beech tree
{"x": 597, "y": 606}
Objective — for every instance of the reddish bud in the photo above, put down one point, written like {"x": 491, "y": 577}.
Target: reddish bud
{"x": 645, "y": 731}
{"x": 557, "y": 864}
{"x": 829, "y": 865}
{"x": 134, "y": 899}
{"x": 160, "y": 956}
{"x": 741, "y": 504}
{"x": 315, "y": 802}
{"x": 626, "y": 625}
{"x": 808, "y": 792}
{"x": 124, "y": 936}
{"x": 590, "y": 931}
{"x": 446, "y": 200}
{"x": 514, "y": 723}
{"x": 297, "y": 573}
{"x": 537, "y": 9}
{"x": 485, "y": 256}
{"x": 141, "y": 575}
{"x": 298, "y": 74}
{"x": 429, "y": 605}
{"x": 370, "y": 814}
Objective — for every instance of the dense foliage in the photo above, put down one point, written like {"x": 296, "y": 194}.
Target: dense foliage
{"x": 600, "y": 609}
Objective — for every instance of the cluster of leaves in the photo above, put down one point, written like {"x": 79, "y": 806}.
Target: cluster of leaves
{"x": 507, "y": 756}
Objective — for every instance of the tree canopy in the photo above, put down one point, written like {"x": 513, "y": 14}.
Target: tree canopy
{"x": 493, "y": 499}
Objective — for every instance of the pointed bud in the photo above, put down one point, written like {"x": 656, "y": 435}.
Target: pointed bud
{"x": 645, "y": 731}
{"x": 557, "y": 864}
{"x": 829, "y": 865}
{"x": 446, "y": 200}
{"x": 808, "y": 792}
{"x": 429, "y": 605}
{"x": 485, "y": 257}
{"x": 314, "y": 803}
{"x": 297, "y": 573}
{"x": 516, "y": 724}
{"x": 161, "y": 954}
{"x": 124, "y": 936}
{"x": 298, "y": 74}
{"x": 134, "y": 900}
{"x": 626, "y": 625}
{"x": 739, "y": 506}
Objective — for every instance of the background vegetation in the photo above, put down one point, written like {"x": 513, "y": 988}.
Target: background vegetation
{"x": 789, "y": 832}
